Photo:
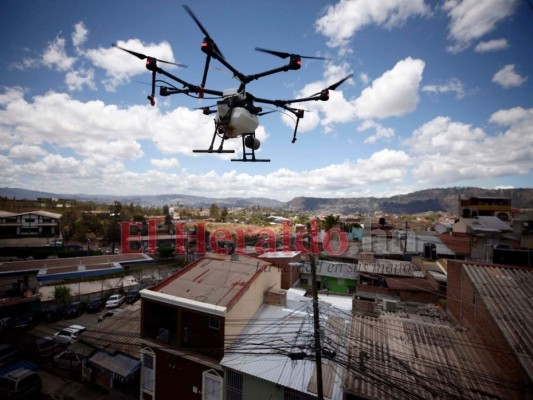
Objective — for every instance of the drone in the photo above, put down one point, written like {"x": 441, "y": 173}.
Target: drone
{"x": 237, "y": 113}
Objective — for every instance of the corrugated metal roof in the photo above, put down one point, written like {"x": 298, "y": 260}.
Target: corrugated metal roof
{"x": 265, "y": 346}
{"x": 214, "y": 279}
{"x": 399, "y": 358}
{"x": 121, "y": 332}
{"x": 508, "y": 294}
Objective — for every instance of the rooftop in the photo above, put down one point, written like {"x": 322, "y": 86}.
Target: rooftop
{"x": 215, "y": 279}
{"x": 507, "y": 294}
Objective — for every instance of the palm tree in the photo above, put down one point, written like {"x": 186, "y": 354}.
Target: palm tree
{"x": 330, "y": 221}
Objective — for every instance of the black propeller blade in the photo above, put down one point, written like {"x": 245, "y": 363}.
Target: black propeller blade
{"x": 143, "y": 56}
{"x": 204, "y": 31}
{"x": 333, "y": 87}
{"x": 284, "y": 55}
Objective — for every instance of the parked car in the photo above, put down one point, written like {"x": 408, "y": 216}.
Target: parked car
{"x": 69, "y": 335}
{"x": 114, "y": 301}
{"x": 21, "y": 383}
{"x": 53, "y": 313}
{"x": 132, "y": 296}
{"x": 8, "y": 354}
{"x": 67, "y": 360}
{"x": 95, "y": 305}
{"x": 45, "y": 348}
{"x": 27, "y": 321}
{"x": 108, "y": 314}
{"x": 5, "y": 323}
{"x": 75, "y": 309}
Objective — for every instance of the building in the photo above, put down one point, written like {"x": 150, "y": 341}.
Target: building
{"x": 273, "y": 358}
{"x": 334, "y": 277}
{"x": 34, "y": 223}
{"x": 473, "y": 207}
{"x": 189, "y": 319}
{"x": 494, "y": 303}
{"x": 289, "y": 264}
{"x": 418, "y": 355}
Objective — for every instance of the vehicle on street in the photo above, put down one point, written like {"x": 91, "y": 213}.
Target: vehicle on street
{"x": 69, "y": 335}
{"x": 95, "y": 305}
{"x": 53, "y": 313}
{"x": 45, "y": 348}
{"x": 75, "y": 309}
{"x": 132, "y": 296}
{"x": 6, "y": 323}
{"x": 27, "y": 321}
{"x": 8, "y": 353}
{"x": 114, "y": 301}
{"x": 108, "y": 314}
{"x": 21, "y": 383}
{"x": 67, "y": 360}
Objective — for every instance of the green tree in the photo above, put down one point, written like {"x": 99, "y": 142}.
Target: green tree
{"x": 330, "y": 222}
{"x": 62, "y": 295}
{"x": 214, "y": 211}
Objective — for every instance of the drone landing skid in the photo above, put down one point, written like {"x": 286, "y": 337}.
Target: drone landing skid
{"x": 251, "y": 152}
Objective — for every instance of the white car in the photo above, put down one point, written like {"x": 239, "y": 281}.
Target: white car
{"x": 114, "y": 301}
{"x": 67, "y": 360}
{"x": 69, "y": 335}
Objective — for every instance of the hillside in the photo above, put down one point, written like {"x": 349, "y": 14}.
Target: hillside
{"x": 436, "y": 200}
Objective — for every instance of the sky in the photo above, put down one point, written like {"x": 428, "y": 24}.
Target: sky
{"x": 441, "y": 95}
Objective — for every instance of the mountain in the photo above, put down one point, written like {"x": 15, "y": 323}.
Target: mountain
{"x": 436, "y": 200}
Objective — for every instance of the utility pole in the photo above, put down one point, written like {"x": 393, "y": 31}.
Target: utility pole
{"x": 316, "y": 320}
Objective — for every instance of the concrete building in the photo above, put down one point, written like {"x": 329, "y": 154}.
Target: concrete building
{"x": 189, "y": 319}
{"x": 34, "y": 223}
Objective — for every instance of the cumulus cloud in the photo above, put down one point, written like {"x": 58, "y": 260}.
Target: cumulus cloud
{"x": 380, "y": 132}
{"x": 344, "y": 19}
{"x": 395, "y": 93}
{"x": 470, "y": 20}
{"x": 79, "y": 36}
{"x": 446, "y": 151}
{"x": 55, "y": 56}
{"x": 507, "y": 77}
{"x": 77, "y": 80}
{"x": 165, "y": 163}
{"x": 120, "y": 66}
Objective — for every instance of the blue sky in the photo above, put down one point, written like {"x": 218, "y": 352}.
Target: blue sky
{"x": 441, "y": 95}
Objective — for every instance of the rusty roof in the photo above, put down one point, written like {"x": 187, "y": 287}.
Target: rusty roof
{"x": 460, "y": 245}
{"x": 401, "y": 358}
{"x": 507, "y": 293}
{"x": 215, "y": 279}
{"x": 121, "y": 332}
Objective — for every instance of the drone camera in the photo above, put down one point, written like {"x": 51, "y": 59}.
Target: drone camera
{"x": 252, "y": 142}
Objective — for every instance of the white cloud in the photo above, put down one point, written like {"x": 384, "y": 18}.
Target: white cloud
{"x": 77, "y": 80}
{"x": 472, "y": 19}
{"x": 120, "y": 66}
{"x": 79, "y": 36}
{"x": 507, "y": 77}
{"x": 445, "y": 151}
{"x": 344, "y": 19}
{"x": 381, "y": 132}
{"x": 55, "y": 56}
{"x": 395, "y": 93}
{"x": 453, "y": 85}
{"x": 491, "y": 45}
{"x": 165, "y": 163}
{"x": 26, "y": 152}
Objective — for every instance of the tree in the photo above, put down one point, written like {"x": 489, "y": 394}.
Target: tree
{"x": 62, "y": 295}
{"x": 330, "y": 222}
{"x": 214, "y": 211}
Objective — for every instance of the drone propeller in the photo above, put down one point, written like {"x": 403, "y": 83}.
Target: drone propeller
{"x": 284, "y": 55}
{"x": 208, "y": 39}
{"x": 143, "y": 56}
{"x": 324, "y": 94}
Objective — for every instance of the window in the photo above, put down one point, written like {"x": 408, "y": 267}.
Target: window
{"x": 214, "y": 323}
{"x": 211, "y": 385}
{"x": 148, "y": 371}
{"x": 234, "y": 385}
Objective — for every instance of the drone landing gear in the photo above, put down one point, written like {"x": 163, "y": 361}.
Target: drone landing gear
{"x": 220, "y": 148}
{"x": 250, "y": 142}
